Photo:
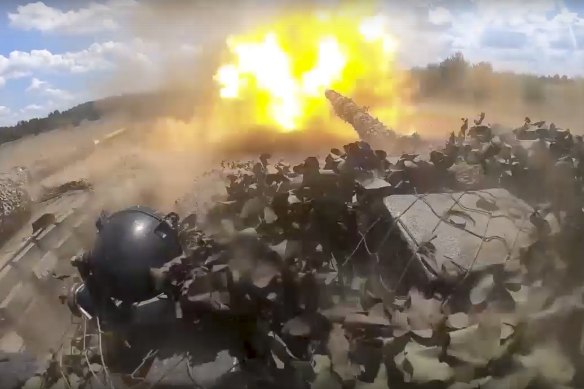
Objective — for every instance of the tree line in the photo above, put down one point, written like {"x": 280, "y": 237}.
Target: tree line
{"x": 55, "y": 120}
{"x": 453, "y": 79}
{"x": 456, "y": 78}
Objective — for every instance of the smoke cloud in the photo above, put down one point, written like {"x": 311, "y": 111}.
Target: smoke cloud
{"x": 173, "y": 135}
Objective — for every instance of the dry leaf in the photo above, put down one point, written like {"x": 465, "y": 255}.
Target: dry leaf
{"x": 458, "y": 320}
{"x": 424, "y": 315}
{"x": 481, "y": 291}
{"x": 399, "y": 322}
{"x": 252, "y": 207}
{"x": 281, "y": 355}
{"x": 338, "y": 347}
{"x": 357, "y": 319}
{"x": 269, "y": 215}
{"x": 297, "y": 326}
{"x": 477, "y": 344}
{"x": 325, "y": 378}
{"x": 35, "y": 382}
{"x": 263, "y": 273}
{"x": 340, "y": 311}
{"x": 280, "y": 248}
{"x": 421, "y": 364}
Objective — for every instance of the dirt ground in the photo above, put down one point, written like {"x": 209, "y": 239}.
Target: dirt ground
{"x": 161, "y": 164}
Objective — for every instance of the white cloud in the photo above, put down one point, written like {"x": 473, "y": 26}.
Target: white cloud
{"x": 32, "y": 108}
{"x": 57, "y": 93}
{"x": 98, "y": 56}
{"x": 3, "y": 64}
{"x": 12, "y": 116}
{"x": 95, "y": 17}
{"x": 488, "y": 30}
{"x": 507, "y": 10}
{"x": 35, "y": 84}
{"x": 4, "y": 110}
{"x": 14, "y": 74}
{"x": 439, "y": 16}
{"x": 46, "y": 89}
{"x": 92, "y": 58}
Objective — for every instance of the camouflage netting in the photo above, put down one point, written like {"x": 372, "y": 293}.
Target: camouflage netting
{"x": 357, "y": 272}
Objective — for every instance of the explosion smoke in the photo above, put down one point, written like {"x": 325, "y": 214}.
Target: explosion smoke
{"x": 258, "y": 83}
{"x": 276, "y": 75}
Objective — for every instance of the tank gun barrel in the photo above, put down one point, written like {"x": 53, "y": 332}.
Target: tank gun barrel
{"x": 368, "y": 128}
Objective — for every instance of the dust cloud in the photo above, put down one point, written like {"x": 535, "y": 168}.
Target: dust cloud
{"x": 170, "y": 139}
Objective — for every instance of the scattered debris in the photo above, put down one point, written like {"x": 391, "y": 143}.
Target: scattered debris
{"x": 15, "y": 202}
{"x": 43, "y": 222}
{"x": 54, "y": 192}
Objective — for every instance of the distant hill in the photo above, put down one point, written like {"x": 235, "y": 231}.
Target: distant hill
{"x": 71, "y": 117}
{"x": 178, "y": 104}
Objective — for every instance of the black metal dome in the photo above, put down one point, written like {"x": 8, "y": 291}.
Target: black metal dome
{"x": 129, "y": 243}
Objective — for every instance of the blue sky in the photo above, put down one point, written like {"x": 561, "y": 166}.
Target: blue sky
{"x": 58, "y": 53}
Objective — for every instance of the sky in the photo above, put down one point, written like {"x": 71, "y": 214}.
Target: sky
{"x": 55, "y": 54}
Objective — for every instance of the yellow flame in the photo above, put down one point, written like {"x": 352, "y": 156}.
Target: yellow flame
{"x": 276, "y": 75}
{"x": 228, "y": 77}
{"x": 329, "y": 67}
{"x": 374, "y": 30}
